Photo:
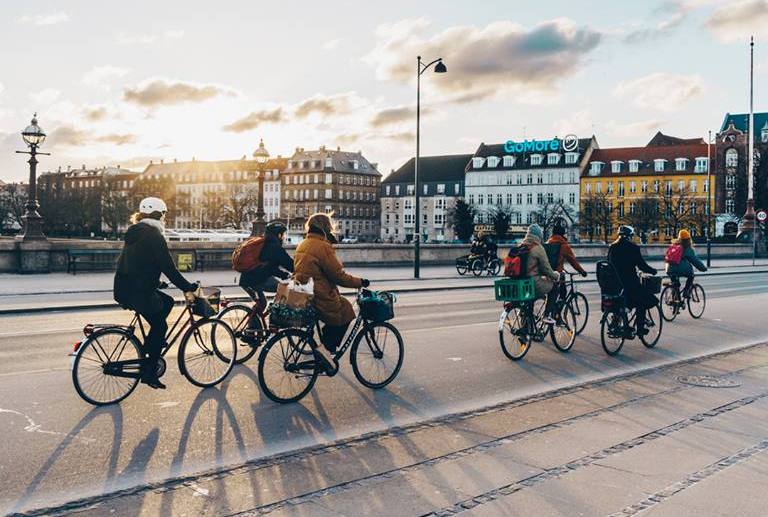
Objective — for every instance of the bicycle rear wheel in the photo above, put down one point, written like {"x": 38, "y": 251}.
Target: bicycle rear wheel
{"x": 377, "y": 355}
{"x": 513, "y": 337}
{"x": 668, "y": 304}
{"x": 462, "y": 268}
{"x": 653, "y": 323}
{"x": 207, "y": 352}
{"x": 494, "y": 266}
{"x": 477, "y": 267}
{"x": 236, "y": 316}
{"x": 580, "y": 307}
{"x": 697, "y": 302}
{"x": 563, "y": 333}
{"x": 612, "y": 328}
{"x": 286, "y": 372}
{"x": 108, "y": 350}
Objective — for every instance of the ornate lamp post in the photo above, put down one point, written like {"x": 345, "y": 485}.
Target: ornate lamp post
{"x": 420, "y": 69}
{"x": 262, "y": 157}
{"x": 33, "y": 136}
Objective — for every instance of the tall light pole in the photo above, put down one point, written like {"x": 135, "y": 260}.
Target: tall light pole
{"x": 262, "y": 157}
{"x": 420, "y": 69}
{"x": 709, "y": 200}
{"x": 33, "y": 136}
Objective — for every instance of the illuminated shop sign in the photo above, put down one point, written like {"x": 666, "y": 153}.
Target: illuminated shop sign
{"x": 569, "y": 143}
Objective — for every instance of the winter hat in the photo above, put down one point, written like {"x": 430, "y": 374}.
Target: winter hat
{"x": 535, "y": 230}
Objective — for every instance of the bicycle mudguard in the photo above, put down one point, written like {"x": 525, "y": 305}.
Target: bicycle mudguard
{"x": 502, "y": 319}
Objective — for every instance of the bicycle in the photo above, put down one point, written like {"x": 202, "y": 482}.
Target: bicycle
{"x": 577, "y": 302}
{"x": 106, "y": 365}
{"x": 673, "y": 300}
{"x": 619, "y": 323}
{"x": 289, "y": 364}
{"x": 523, "y": 320}
{"x": 249, "y": 324}
{"x": 477, "y": 265}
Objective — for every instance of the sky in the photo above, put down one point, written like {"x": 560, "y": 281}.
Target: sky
{"x": 128, "y": 82}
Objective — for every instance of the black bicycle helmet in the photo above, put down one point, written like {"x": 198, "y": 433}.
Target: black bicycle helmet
{"x": 275, "y": 227}
{"x": 626, "y": 231}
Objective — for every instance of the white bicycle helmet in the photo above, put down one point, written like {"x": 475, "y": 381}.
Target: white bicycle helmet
{"x": 149, "y": 205}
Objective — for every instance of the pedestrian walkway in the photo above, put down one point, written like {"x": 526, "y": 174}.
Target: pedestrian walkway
{"x": 686, "y": 439}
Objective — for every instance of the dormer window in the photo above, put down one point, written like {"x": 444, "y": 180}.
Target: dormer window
{"x": 702, "y": 164}
{"x": 493, "y": 161}
{"x": 681, "y": 164}
{"x": 571, "y": 158}
{"x": 328, "y": 163}
{"x": 634, "y": 165}
{"x": 536, "y": 159}
{"x": 595, "y": 168}
{"x": 477, "y": 163}
{"x": 764, "y": 133}
{"x": 509, "y": 161}
{"x": 616, "y": 165}
{"x": 553, "y": 159}
{"x": 659, "y": 164}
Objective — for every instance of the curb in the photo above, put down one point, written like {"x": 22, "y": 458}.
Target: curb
{"x": 407, "y": 290}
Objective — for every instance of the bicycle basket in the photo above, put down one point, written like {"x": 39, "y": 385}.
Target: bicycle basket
{"x": 282, "y": 316}
{"x": 207, "y": 305}
{"x": 514, "y": 290}
{"x": 377, "y": 306}
{"x": 651, "y": 283}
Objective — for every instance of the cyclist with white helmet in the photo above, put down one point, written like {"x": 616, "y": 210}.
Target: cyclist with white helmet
{"x": 144, "y": 257}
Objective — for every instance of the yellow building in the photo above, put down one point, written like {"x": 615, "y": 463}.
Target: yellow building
{"x": 658, "y": 189}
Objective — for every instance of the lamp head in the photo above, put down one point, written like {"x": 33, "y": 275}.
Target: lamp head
{"x": 261, "y": 154}
{"x": 33, "y": 134}
{"x": 440, "y": 67}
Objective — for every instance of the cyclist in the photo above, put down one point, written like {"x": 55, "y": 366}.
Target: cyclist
{"x": 491, "y": 248}
{"x": 274, "y": 264}
{"x": 145, "y": 255}
{"x": 565, "y": 253}
{"x": 539, "y": 269}
{"x": 316, "y": 259}
{"x": 688, "y": 261}
{"x": 626, "y": 259}
{"x": 477, "y": 248}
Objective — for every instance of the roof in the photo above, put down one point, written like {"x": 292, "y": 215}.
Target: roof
{"x": 741, "y": 121}
{"x": 342, "y": 161}
{"x": 646, "y": 155}
{"x": 210, "y": 167}
{"x": 660, "y": 139}
{"x": 448, "y": 168}
{"x": 486, "y": 150}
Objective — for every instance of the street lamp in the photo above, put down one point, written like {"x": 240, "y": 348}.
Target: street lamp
{"x": 420, "y": 69}
{"x": 262, "y": 157}
{"x": 709, "y": 199}
{"x": 33, "y": 136}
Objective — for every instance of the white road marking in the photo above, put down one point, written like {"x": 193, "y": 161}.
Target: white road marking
{"x": 454, "y": 359}
{"x": 169, "y": 403}
{"x": 32, "y": 427}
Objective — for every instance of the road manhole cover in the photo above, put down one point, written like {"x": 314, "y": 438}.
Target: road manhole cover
{"x": 709, "y": 381}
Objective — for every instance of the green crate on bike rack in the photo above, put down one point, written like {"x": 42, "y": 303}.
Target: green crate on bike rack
{"x": 514, "y": 289}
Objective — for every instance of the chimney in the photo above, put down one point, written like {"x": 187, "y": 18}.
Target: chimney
{"x": 322, "y": 148}
{"x": 118, "y": 166}
{"x": 338, "y": 148}
{"x": 83, "y": 166}
{"x": 193, "y": 158}
{"x": 174, "y": 160}
{"x": 161, "y": 160}
{"x": 298, "y": 149}
{"x": 69, "y": 168}
{"x": 59, "y": 168}
{"x": 151, "y": 162}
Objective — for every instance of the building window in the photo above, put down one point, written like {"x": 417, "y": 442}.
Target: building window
{"x": 621, "y": 189}
{"x": 426, "y": 189}
{"x": 668, "y": 187}
{"x": 705, "y": 185}
{"x": 692, "y": 185}
{"x": 509, "y": 161}
{"x": 731, "y": 158}
{"x": 730, "y": 206}
{"x": 529, "y": 198}
{"x": 572, "y": 198}
{"x": 633, "y": 186}
{"x": 588, "y": 188}
{"x": 632, "y": 207}
{"x": 616, "y": 166}
{"x": 530, "y": 178}
{"x": 456, "y": 189}
{"x": 536, "y": 159}
{"x": 701, "y": 165}
{"x": 621, "y": 209}
{"x": 634, "y": 165}
{"x": 509, "y": 198}
{"x": 481, "y": 199}
{"x": 570, "y": 158}
{"x": 730, "y": 182}
{"x": 599, "y": 187}
{"x": 540, "y": 198}
{"x": 681, "y": 185}
{"x": 656, "y": 186}
{"x": 681, "y": 164}
{"x": 493, "y": 161}
{"x": 550, "y": 197}
{"x": 477, "y": 162}
{"x": 595, "y": 168}
{"x": 609, "y": 188}
{"x": 471, "y": 199}
{"x": 659, "y": 164}
{"x": 553, "y": 159}
{"x": 441, "y": 189}
{"x": 329, "y": 193}
{"x": 498, "y": 199}
{"x": 411, "y": 189}
{"x": 540, "y": 179}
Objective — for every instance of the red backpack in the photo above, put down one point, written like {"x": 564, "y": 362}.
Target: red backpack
{"x": 247, "y": 256}
{"x": 516, "y": 262}
{"x": 674, "y": 254}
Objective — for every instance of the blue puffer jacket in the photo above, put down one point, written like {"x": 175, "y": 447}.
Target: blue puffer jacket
{"x": 686, "y": 265}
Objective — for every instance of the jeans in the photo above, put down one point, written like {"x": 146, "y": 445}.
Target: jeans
{"x": 156, "y": 315}
{"x": 557, "y": 293}
{"x": 256, "y": 292}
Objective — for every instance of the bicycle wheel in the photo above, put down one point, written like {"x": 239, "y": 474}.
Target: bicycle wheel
{"x": 462, "y": 268}
{"x": 377, "y": 355}
{"x": 668, "y": 304}
{"x": 653, "y": 322}
{"x": 285, "y": 373}
{"x": 236, "y": 316}
{"x": 477, "y": 267}
{"x": 100, "y": 351}
{"x": 207, "y": 352}
{"x": 697, "y": 302}
{"x": 494, "y": 266}
{"x": 612, "y": 329}
{"x": 563, "y": 333}
{"x": 580, "y": 307}
{"x": 513, "y": 336}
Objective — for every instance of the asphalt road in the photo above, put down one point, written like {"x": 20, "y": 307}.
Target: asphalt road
{"x": 57, "y": 448}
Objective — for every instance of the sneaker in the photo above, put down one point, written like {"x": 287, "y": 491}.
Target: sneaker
{"x": 327, "y": 360}
{"x": 642, "y": 332}
{"x": 152, "y": 381}
{"x": 549, "y": 320}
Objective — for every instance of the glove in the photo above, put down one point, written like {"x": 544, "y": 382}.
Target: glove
{"x": 365, "y": 282}
{"x": 189, "y": 296}
{"x": 584, "y": 273}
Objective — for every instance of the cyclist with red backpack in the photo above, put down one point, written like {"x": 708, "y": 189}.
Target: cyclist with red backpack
{"x": 681, "y": 258}
{"x": 262, "y": 261}
{"x": 528, "y": 259}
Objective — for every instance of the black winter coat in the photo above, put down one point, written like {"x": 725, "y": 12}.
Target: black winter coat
{"x": 625, "y": 257}
{"x": 144, "y": 257}
{"x": 273, "y": 258}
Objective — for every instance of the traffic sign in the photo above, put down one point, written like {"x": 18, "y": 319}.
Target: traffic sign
{"x": 762, "y": 215}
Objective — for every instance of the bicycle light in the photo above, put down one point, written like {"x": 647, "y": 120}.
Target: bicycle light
{"x": 88, "y": 330}
{"x": 76, "y": 346}
{"x": 224, "y": 303}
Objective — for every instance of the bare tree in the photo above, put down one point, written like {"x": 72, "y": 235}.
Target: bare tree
{"x": 114, "y": 206}
{"x": 675, "y": 207}
{"x": 13, "y": 201}
{"x": 645, "y": 218}
{"x": 240, "y": 204}
{"x": 501, "y": 218}
{"x": 596, "y": 217}
{"x": 550, "y": 212}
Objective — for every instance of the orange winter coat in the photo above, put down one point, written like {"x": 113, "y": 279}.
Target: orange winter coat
{"x": 315, "y": 258}
{"x": 566, "y": 253}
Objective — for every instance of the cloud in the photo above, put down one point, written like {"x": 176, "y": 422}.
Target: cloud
{"x": 67, "y": 136}
{"x": 396, "y": 115}
{"x": 1, "y": 88}
{"x": 45, "y": 97}
{"x": 42, "y": 20}
{"x": 147, "y": 39}
{"x": 101, "y": 76}
{"x": 324, "y": 105}
{"x": 644, "y": 128}
{"x": 159, "y": 92}
{"x": 736, "y": 21}
{"x": 581, "y": 123}
{"x": 331, "y": 44}
{"x": 117, "y": 139}
{"x": 677, "y": 13}
{"x": 662, "y": 91}
{"x": 502, "y": 56}
{"x": 255, "y": 119}
{"x": 95, "y": 113}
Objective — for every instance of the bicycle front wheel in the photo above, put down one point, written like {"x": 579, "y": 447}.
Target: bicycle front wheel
{"x": 477, "y": 267}
{"x": 106, "y": 367}
{"x": 462, "y": 268}
{"x": 237, "y": 317}
{"x": 287, "y": 369}
{"x": 513, "y": 336}
{"x": 563, "y": 332}
{"x": 580, "y": 308}
{"x": 207, "y": 352}
{"x": 494, "y": 267}
{"x": 377, "y": 355}
{"x": 697, "y": 301}
{"x": 612, "y": 329}
{"x": 653, "y": 323}
{"x": 668, "y": 304}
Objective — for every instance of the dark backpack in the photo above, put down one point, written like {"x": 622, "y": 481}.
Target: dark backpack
{"x": 608, "y": 279}
{"x": 516, "y": 263}
{"x": 553, "y": 254}
{"x": 247, "y": 256}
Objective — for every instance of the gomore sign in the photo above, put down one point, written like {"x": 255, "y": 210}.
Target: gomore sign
{"x": 569, "y": 143}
